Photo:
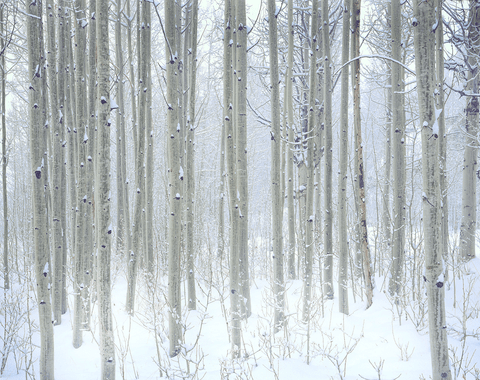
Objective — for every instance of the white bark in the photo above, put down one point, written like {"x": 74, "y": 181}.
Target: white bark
{"x": 342, "y": 183}
{"x": 398, "y": 148}
{"x": 102, "y": 196}
{"x": 6, "y": 280}
{"x": 175, "y": 183}
{"x": 37, "y": 112}
{"x": 424, "y": 16}
{"x": 277, "y": 198}
{"x": 328, "y": 238}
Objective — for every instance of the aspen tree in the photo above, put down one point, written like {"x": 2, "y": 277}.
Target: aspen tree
{"x": 310, "y": 165}
{"x": 138, "y": 218}
{"x": 102, "y": 195}
{"x": 398, "y": 149}
{"x": 360, "y": 177}
{"x": 277, "y": 199}
{"x": 80, "y": 289}
{"x": 57, "y": 164}
{"x": 175, "y": 183}
{"x": 190, "y": 178}
{"x": 424, "y": 19}
{"x": 342, "y": 183}
{"x": 221, "y": 208}
{"x": 291, "y": 132}
{"x": 328, "y": 238}
{"x": 37, "y": 116}
{"x": 469, "y": 193}
{"x": 6, "y": 280}
{"x": 241, "y": 155}
{"x": 442, "y": 137}
{"x": 232, "y": 181}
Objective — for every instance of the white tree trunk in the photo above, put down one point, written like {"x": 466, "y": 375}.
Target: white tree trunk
{"x": 342, "y": 183}
{"x": 424, "y": 16}
{"x": 37, "y": 113}
{"x": 6, "y": 280}
{"x": 175, "y": 183}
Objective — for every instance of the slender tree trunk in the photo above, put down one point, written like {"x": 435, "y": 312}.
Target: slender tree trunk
{"x": 43, "y": 264}
{"x": 277, "y": 199}
{"x": 190, "y": 183}
{"x": 399, "y": 164}
{"x": 469, "y": 195}
{"x": 291, "y": 139}
{"x": 175, "y": 184}
{"x": 342, "y": 183}
{"x": 104, "y": 228}
{"x": 360, "y": 177}
{"x": 442, "y": 136}
{"x": 80, "y": 289}
{"x": 6, "y": 279}
{"x": 328, "y": 229}
{"x": 310, "y": 164}
{"x": 242, "y": 174}
{"x": 424, "y": 16}
{"x": 232, "y": 181}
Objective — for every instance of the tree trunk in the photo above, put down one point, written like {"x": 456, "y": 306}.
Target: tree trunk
{"x": 469, "y": 194}
{"x": 6, "y": 280}
{"x": 424, "y": 16}
{"x": 175, "y": 183}
{"x": 342, "y": 183}
{"x": 328, "y": 239}
{"x": 399, "y": 164}
{"x": 43, "y": 264}
{"x": 360, "y": 178}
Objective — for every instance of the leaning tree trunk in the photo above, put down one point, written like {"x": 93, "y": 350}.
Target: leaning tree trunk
{"x": 43, "y": 266}
{"x": 277, "y": 199}
{"x": 342, "y": 183}
{"x": 424, "y": 16}
{"x": 469, "y": 195}
{"x": 102, "y": 189}
{"x": 175, "y": 184}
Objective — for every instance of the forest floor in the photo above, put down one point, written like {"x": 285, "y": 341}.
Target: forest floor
{"x": 386, "y": 342}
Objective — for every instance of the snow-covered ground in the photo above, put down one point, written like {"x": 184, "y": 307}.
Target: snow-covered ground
{"x": 383, "y": 342}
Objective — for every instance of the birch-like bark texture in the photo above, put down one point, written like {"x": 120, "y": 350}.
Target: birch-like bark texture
{"x": 328, "y": 238}
{"x": 291, "y": 139}
{"x": 235, "y": 327}
{"x": 6, "y": 280}
{"x": 175, "y": 183}
{"x": 277, "y": 199}
{"x": 398, "y": 148}
{"x": 360, "y": 177}
{"x": 90, "y": 276}
{"x": 242, "y": 173}
{"x": 102, "y": 195}
{"x": 342, "y": 183}
{"x": 138, "y": 217}
{"x": 56, "y": 119}
{"x": 469, "y": 193}
{"x": 80, "y": 289}
{"x": 190, "y": 179}
{"x": 424, "y": 18}
{"x": 221, "y": 202}
{"x": 149, "y": 135}
{"x": 61, "y": 77}
{"x": 442, "y": 136}
{"x": 310, "y": 165}
{"x": 43, "y": 267}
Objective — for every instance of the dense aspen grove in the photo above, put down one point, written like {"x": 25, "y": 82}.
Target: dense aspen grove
{"x": 249, "y": 172}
